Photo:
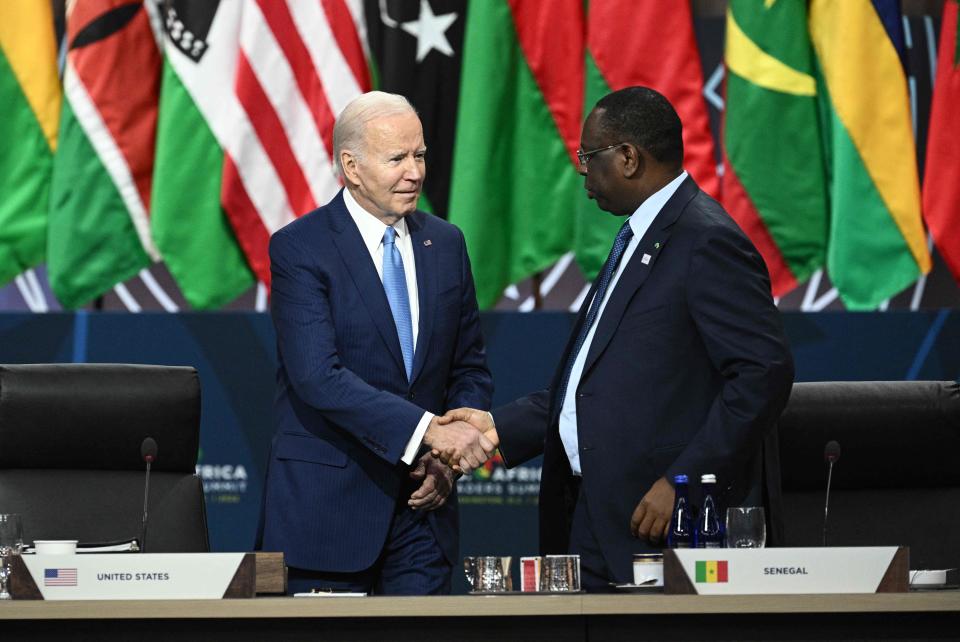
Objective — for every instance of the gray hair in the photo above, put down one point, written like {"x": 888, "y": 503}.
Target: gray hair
{"x": 348, "y": 130}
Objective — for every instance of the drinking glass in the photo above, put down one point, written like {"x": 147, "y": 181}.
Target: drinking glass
{"x": 746, "y": 527}
{"x": 560, "y": 573}
{"x": 11, "y": 543}
{"x": 488, "y": 573}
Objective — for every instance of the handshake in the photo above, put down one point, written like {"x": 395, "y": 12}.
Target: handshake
{"x": 463, "y": 439}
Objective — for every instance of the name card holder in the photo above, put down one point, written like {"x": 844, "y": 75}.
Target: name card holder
{"x": 145, "y": 576}
{"x": 752, "y": 571}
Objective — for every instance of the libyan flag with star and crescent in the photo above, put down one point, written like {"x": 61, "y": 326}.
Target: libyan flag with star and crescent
{"x": 416, "y": 51}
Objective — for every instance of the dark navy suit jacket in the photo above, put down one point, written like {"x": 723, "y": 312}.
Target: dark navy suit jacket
{"x": 344, "y": 409}
{"x": 687, "y": 372}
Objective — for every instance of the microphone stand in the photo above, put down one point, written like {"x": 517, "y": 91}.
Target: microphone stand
{"x": 148, "y": 451}
{"x": 826, "y": 503}
{"x": 143, "y": 524}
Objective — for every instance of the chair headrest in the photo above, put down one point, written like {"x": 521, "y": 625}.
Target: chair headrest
{"x": 892, "y": 433}
{"x": 96, "y": 416}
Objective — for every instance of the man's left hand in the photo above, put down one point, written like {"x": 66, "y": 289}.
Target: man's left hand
{"x": 651, "y": 518}
{"x": 438, "y": 480}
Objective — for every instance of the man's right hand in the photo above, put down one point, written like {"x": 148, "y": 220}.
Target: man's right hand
{"x": 479, "y": 419}
{"x": 465, "y": 447}
{"x": 651, "y": 518}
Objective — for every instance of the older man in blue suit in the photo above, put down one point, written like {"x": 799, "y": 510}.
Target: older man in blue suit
{"x": 677, "y": 363}
{"x": 377, "y": 331}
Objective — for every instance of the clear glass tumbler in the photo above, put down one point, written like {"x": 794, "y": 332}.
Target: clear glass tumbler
{"x": 746, "y": 527}
{"x": 11, "y": 543}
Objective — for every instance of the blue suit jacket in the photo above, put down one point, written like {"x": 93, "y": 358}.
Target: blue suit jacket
{"x": 344, "y": 409}
{"x": 687, "y": 372}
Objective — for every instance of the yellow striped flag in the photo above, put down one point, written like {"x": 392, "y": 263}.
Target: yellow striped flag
{"x": 877, "y": 246}
{"x": 30, "y": 103}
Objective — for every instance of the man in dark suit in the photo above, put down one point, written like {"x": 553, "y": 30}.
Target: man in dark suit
{"x": 377, "y": 329}
{"x": 677, "y": 363}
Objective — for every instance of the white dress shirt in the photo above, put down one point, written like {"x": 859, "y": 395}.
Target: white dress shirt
{"x": 640, "y": 221}
{"x": 372, "y": 230}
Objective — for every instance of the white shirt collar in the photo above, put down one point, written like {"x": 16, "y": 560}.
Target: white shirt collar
{"x": 371, "y": 228}
{"x": 641, "y": 219}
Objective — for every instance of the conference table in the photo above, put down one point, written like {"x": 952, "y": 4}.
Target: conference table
{"x": 560, "y": 618}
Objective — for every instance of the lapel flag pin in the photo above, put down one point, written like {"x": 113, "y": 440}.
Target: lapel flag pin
{"x": 427, "y": 243}
{"x": 646, "y": 259}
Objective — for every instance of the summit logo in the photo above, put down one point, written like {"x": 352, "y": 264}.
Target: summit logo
{"x": 223, "y": 483}
{"x": 494, "y": 483}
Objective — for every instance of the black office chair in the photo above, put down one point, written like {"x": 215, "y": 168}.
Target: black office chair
{"x": 897, "y": 481}
{"x": 70, "y": 462}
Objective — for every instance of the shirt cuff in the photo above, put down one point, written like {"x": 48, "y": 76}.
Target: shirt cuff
{"x": 414, "y": 444}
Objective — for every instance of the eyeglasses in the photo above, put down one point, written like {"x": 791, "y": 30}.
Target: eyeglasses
{"x": 584, "y": 157}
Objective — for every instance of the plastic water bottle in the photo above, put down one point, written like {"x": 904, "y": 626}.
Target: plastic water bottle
{"x": 709, "y": 533}
{"x": 680, "y": 534}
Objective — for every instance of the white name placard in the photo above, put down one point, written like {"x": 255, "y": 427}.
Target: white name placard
{"x": 131, "y": 576}
{"x": 733, "y": 571}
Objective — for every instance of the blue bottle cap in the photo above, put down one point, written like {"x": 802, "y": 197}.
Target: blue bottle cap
{"x": 679, "y": 479}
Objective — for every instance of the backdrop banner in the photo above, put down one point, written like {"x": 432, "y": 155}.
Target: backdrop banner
{"x": 236, "y": 357}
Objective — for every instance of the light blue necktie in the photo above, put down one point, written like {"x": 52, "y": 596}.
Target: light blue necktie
{"x": 395, "y": 285}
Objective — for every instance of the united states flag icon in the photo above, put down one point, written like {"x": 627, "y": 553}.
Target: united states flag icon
{"x": 59, "y": 577}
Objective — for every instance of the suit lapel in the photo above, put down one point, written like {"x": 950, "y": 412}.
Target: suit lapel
{"x": 425, "y": 256}
{"x": 639, "y": 268}
{"x": 364, "y": 275}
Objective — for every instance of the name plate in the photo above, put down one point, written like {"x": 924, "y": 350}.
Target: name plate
{"x": 147, "y": 576}
{"x": 740, "y": 571}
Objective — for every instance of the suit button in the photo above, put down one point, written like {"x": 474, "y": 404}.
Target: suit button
{"x": 584, "y": 395}
{"x": 410, "y": 396}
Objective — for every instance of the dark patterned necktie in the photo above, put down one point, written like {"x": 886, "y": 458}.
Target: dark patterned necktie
{"x": 606, "y": 275}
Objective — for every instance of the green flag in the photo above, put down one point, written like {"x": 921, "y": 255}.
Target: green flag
{"x": 877, "y": 245}
{"x": 514, "y": 180}
{"x": 30, "y": 103}
{"x": 774, "y": 183}
{"x": 188, "y": 222}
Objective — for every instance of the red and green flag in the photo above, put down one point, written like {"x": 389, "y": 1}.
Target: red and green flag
{"x": 774, "y": 180}
{"x": 941, "y": 180}
{"x": 643, "y": 43}
{"x": 876, "y": 241}
{"x": 514, "y": 183}
{"x": 30, "y": 99}
{"x": 99, "y": 228}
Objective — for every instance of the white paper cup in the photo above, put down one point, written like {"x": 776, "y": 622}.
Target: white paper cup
{"x": 55, "y": 546}
{"x": 647, "y": 566}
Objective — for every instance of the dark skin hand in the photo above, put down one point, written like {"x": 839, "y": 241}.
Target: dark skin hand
{"x": 651, "y": 517}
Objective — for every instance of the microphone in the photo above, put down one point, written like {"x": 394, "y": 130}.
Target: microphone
{"x": 148, "y": 451}
{"x": 831, "y": 453}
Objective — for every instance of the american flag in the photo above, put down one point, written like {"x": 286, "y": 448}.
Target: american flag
{"x": 59, "y": 577}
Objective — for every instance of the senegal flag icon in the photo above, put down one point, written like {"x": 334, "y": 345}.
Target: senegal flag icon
{"x": 711, "y": 571}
